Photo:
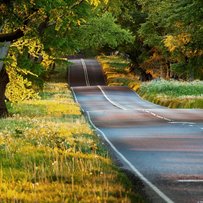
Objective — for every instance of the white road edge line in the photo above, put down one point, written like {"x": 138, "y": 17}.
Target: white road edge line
{"x": 114, "y": 103}
{"x": 69, "y": 75}
{"x": 85, "y": 72}
{"x": 190, "y": 181}
{"x": 74, "y": 95}
{"x": 145, "y": 180}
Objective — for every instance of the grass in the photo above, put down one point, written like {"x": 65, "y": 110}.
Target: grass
{"x": 173, "y": 94}
{"x": 117, "y": 72}
{"x": 49, "y": 153}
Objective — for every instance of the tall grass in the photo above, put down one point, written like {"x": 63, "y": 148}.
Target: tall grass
{"x": 175, "y": 94}
{"x": 173, "y": 88}
{"x": 48, "y": 153}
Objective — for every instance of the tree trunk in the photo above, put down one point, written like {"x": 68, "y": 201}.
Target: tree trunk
{"x": 135, "y": 66}
{"x": 4, "y": 79}
{"x": 143, "y": 75}
{"x": 3, "y": 82}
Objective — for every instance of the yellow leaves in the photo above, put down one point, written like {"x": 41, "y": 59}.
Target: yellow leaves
{"x": 176, "y": 42}
{"x": 33, "y": 44}
{"x": 97, "y": 2}
{"x": 59, "y": 109}
{"x": 3, "y": 8}
{"x": 47, "y": 60}
{"x": 179, "y": 42}
{"x": 59, "y": 22}
{"x": 18, "y": 88}
{"x": 170, "y": 43}
{"x": 78, "y": 22}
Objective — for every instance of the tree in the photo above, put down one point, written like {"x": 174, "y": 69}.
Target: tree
{"x": 130, "y": 15}
{"x": 3, "y": 80}
{"x": 42, "y": 30}
{"x": 175, "y": 30}
{"x": 167, "y": 36}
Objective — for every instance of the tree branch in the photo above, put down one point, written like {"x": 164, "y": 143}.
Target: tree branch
{"x": 11, "y": 36}
{"x": 77, "y": 3}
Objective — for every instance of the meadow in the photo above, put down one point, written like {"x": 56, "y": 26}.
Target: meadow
{"x": 170, "y": 93}
{"x": 174, "y": 94}
{"x": 49, "y": 153}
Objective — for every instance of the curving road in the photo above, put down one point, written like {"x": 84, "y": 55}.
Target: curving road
{"x": 163, "y": 147}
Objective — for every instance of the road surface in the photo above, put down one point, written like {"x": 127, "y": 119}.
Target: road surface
{"x": 163, "y": 147}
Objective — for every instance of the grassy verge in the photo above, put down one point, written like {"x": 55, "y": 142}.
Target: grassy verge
{"x": 117, "y": 72}
{"x": 173, "y": 94}
{"x": 48, "y": 153}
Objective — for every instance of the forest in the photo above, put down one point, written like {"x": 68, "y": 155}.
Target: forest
{"x": 160, "y": 38}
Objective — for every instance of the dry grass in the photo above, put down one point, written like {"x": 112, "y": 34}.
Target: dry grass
{"x": 117, "y": 72}
{"x": 48, "y": 153}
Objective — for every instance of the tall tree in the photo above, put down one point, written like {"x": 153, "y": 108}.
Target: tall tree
{"x": 174, "y": 29}
{"x": 3, "y": 79}
{"x": 42, "y": 30}
{"x": 130, "y": 15}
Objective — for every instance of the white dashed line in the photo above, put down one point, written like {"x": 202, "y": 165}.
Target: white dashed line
{"x": 182, "y": 122}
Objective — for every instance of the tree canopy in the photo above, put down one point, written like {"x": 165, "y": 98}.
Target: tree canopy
{"x": 161, "y": 37}
{"x": 41, "y": 31}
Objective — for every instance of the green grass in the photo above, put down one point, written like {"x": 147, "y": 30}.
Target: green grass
{"x": 173, "y": 88}
{"x": 174, "y": 94}
{"x": 49, "y": 153}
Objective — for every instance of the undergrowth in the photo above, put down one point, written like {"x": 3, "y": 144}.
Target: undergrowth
{"x": 48, "y": 153}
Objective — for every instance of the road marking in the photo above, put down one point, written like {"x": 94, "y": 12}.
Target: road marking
{"x": 85, "y": 72}
{"x": 123, "y": 108}
{"x": 76, "y": 100}
{"x": 135, "y": 170}
{"x": 158, "y": 116}
{"x": 114, "y": 103}
{"x": 182, "y": 122}
{"x": 74, "y": 95}
{"x": 69, "y": 75}
{"x": 190, "y": 181}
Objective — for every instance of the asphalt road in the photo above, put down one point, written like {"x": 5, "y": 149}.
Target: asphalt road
{"x": 163, "y": 147}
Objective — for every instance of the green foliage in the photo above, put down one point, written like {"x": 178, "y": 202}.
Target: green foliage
{"x": 175, "y": 29}
{"x": 170, "y": 30}
{"x": 103, "y": 31}
{"x": 53, "y": 29}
